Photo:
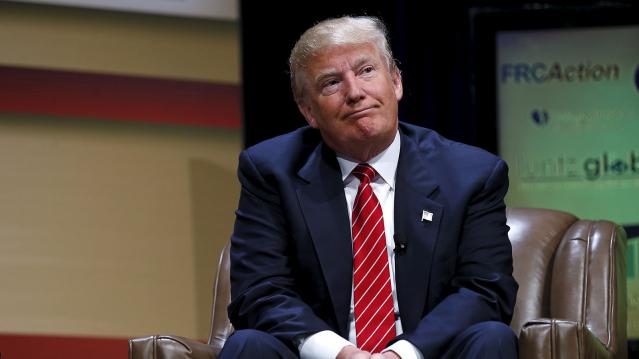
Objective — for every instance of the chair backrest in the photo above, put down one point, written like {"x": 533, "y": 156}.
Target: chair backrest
{"x": 566, "y": 269}
{"x": 221, "y": 327}
{"x": 570, "y": 269}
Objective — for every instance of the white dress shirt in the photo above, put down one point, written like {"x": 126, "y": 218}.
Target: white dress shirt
{"x": 327, "y": 344}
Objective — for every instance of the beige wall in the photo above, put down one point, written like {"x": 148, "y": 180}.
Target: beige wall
{"x": 102, "y": 41}
{"x": 112, "y": 228}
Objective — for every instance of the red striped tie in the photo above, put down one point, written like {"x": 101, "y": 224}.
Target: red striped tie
{"x": 374, "y": 314}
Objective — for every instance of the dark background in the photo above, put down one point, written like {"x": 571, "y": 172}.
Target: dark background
{"x": 430, "y": 46}
{"x": 445, "y": 52}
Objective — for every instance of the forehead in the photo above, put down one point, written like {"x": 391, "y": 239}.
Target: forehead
{"x": 338, "y": 57}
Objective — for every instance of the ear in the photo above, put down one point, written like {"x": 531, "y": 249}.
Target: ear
{"x": 396, "y": 77}
{"x": 307, "y": 112}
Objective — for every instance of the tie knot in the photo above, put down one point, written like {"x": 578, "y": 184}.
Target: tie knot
{"x": 364, "y": 172}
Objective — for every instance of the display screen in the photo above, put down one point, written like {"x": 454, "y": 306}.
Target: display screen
{"x": 568, "y": 119}
{"x": 567, "y": 106}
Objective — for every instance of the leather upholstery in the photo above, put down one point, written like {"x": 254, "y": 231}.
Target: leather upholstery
{"x": 221, "y": 327}
{"x": 572, "y": 285}
{"x": 555, "y": 338}
{"x": 571, "y": 301}
{"x": 170, "y": 347}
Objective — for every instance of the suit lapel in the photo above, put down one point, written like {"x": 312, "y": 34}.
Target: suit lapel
{"x": 323, "y": 204}
{"x": 414, "y": 185}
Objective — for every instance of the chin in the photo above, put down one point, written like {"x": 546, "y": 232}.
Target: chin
{"x": 370, "y": 128}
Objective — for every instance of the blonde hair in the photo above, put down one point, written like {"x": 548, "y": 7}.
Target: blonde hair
{"x": 347, "y": 30}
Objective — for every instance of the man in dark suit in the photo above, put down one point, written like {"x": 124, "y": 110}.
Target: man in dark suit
{"x": 427, "y": 213}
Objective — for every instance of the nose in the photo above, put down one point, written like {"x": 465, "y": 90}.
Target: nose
{"x": 353, "y": 89}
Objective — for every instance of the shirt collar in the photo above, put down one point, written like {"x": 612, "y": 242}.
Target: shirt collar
{"x": 385, "y": 163}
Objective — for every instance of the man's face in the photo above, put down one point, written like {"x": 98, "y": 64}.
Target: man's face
{"x": 351, "y": 97}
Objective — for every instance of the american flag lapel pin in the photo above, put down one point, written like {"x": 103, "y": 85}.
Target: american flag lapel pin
{"x": 427, "y": 216}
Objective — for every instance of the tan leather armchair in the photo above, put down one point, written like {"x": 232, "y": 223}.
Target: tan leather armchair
{"x": 572, "y": 285}
{"x": 571, "y": 301}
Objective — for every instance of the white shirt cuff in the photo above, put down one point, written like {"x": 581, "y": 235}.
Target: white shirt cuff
{"x": 405, "y": 350}
{"x": 322, "y": 345}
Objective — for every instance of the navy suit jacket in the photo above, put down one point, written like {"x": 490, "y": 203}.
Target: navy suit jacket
{"x": 291, "y": 253}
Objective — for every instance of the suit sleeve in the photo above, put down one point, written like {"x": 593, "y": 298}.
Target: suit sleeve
{"x": 263, "y": 294}
{"x": 482, "y": 287}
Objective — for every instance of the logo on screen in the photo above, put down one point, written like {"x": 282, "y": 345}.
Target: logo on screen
{"x": 557, "y": 72}
{"x": 606, "y": 166}
{"x": 540, "y": 117}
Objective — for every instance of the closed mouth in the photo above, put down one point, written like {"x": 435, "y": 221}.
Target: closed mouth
{"x": 360, "y": 113}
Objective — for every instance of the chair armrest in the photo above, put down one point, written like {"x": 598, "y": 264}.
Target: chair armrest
{"x": 170, "y": 347}
{"x": 554, "y": 338}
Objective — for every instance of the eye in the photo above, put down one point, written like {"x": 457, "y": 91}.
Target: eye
{"x": 329, "y": 86}
{"x": 329, "y": 83}
{"x": 367, "y": 70}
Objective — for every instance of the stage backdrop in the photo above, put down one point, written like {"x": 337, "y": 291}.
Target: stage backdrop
{"x": 568, "y": 119}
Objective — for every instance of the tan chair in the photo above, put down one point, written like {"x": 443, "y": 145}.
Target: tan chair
{"x": 571, "y": 301}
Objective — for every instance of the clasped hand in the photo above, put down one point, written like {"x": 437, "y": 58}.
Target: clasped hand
{"x": 351, "y": 352}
